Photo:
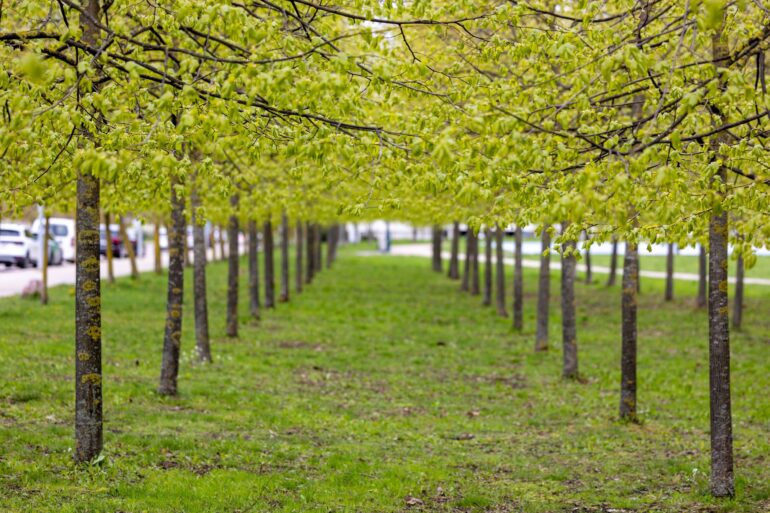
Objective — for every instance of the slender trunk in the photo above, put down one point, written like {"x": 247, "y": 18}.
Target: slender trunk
{"x": 738, "y": 300}
{"x": 475, "y": 289}
{"x": 628, "y": 334}
{"x": 156, "y": 247}
{"x": 722, "y": 478}
{"x": 201, "y": 309}
{"x": 589, "y": 269}
{"x": 309, "y": 233}
{"x": 329, "y": 246}
{"x": 543, "y": 292}
{"x": 173, "y": 337}
{"x": 669, "y": 294}
{"x": 500, "y": 275}
{"x": 42, "y": 237}
{"x": 267, "y": 238}
{"x": 108, "y": 249}
{"x": 487, "y": 298}
{"x": 568, "y": 317}
{"x": 232, "y": 269}
{"x": 437, "y": 249}
{"x": 700, "y": 300}
{"x": 253, "y": 270}
{"x": 465, "y": 283}
{"x": 213, "y": 242}
{"x": 454, "y": 263}
{"x": 613, "y": 263}
{"x": 298, "y": 262}
{"x": 129, "y": 248}
{"x": 88, "y": 317}
{"x": 518, "y": 284}
{"x": 222, "y": 251}
{"x": 317, "y": 259}
{"x": 284, "y": 296}
{"x": 638, "y": 272}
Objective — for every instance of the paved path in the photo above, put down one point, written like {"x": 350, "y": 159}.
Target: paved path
{"x": 424, "y": 250}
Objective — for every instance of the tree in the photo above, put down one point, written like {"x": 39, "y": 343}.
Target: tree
{"x": 232, "y": 269}
{"x": 518, "y": 283}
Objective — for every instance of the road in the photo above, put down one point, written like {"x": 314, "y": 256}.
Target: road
{"x": 424, "y": 250}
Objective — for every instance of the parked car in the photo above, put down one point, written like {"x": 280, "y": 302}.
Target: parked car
{"x": 14, "y": 245}
{"x": 63, "y": 232}
{"x": 55, "y": 253}
{"x": 119, "y": 250}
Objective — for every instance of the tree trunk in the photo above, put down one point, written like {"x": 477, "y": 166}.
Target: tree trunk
{"x": 628, "y": 334}
{"x": 108, "y": 249}
{"x": 156, "y": 247}
{"x": 722, "y": 479}
{"x": 454, "y": 262}
{"x": 543, "y": 292}
{"x": 213, "y": 242}
{"x": 318, "y": 259}
{"x": 187, "y": 260}
{"x": 310, "y": 234}
{"x": 500, "y": 275}
{"x": 232, "y": 269}
{"x": 669, "y": 294}
{"x": 330, "y": 246}
{"x": 129, "y": 248}
{"x": 738, "y": 300}
{"x": 465, "y": 283}
{"x": 222, "y": 252}
{"x": 589, "y": 269}
{"x": 298, "y": 262}
{"x": 172, "y": 340}
{"x": 284, "y": 296}
{"x": 253, "y": 270}
{"x": 42, "y": 237}
{"x": 88, "y": 317}
{"x": 613, "y": 263}
{"x": 269, "y": 268}
{"x": 437, "y": 249}
{"x": 487, "y": 297}
{"x": 475, "y": 290}
{"x": 201, "y": 309}
{"x": 518, "y": 283}
{"x": 569, "y": 323}
{"x": 700, "y": 300}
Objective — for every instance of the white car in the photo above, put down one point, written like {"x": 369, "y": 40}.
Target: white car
{"x": 14, "y": 245}
{"x": 55, "y": 254}
{"x": 63, "y": 232}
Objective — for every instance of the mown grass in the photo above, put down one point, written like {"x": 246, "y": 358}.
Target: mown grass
{"x": 380, "y": 389}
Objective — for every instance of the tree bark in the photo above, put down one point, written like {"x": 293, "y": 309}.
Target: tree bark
{"x": 253, "y": 270}
{"x": 173, "y": 336}
{"x": 42, "y": 237}
{"x": 156, "y": 247}
{"x": 475, "y": 289}
{"x": 310, "y": 234}
{"x": 330, "y": 246}
{"x": 201, "y": 309}
{"x": 437, "y": 249}
{"x": 298, "y": 262}
{"x": 628, "y": 334}
{"x": 569, "y": 323}
{"x": 500, "y": 275}
{"x": 518, "y": 283}
{"x": 129, "y": 248}
{"x": 232, "y": 269}
{"x": 454, "y": 258}
{"x": 738, "y": 300}
{"x": 88, "y": 317}
{"x": 269, "y": 268}
{"x": 613, "y": 263}
{"x": 700, "y": 300}
{"x": 465, "y": 282}
{"x": 108, "y": 249}
{"x": 543, "y": 292}
{"x": 669, "y": 294}
{"x": 284, "y": 296}
{"x": 318, "y": 259}
{"x": 589, "y": 269}
{"x": 487, "y": 297}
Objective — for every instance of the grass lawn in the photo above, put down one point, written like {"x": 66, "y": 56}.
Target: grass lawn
{"x": 380, "y": 389}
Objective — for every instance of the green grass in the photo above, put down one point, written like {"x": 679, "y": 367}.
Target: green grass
{"x": 380, "y": 389}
